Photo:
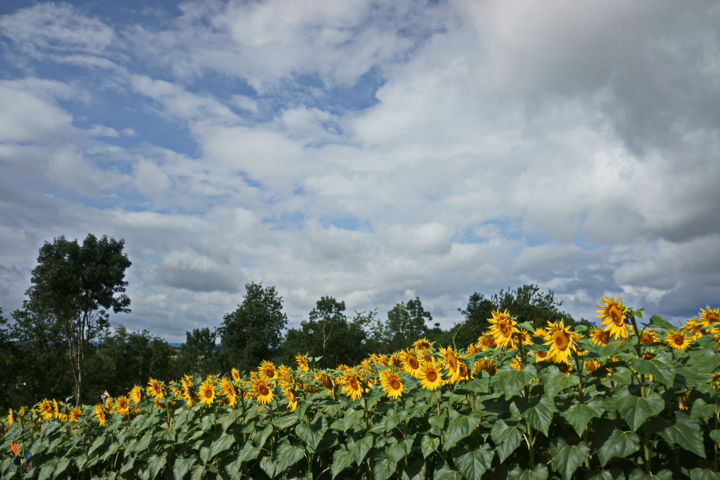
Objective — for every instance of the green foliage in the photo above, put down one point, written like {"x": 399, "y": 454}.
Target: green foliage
{"x": 406, "y": 323}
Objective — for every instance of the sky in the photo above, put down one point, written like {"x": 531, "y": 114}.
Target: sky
{"x": 373, "y": 151}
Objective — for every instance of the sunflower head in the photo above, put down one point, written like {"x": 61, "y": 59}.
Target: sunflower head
{"x": 422, "y": 345}
{"x": 267, "y": 370}
{"x": 228, "y": 389}
{"x": 599, "y": 336}
{"x": 591, "y": 365}
{"x": 486, "y": 342}
{"x": 612, "y": 313}
{"x": 710, "y": 316}
{"x": 155, "y": 389}
{"x": 207, "y": 391}
{"x": 351, "y": 385}
{"x": 135, "y": 394}
{"x": 326, "y": 381}
{"x": 235, "y": 374}
{"x": 391, "y": 384}
{"x": 122, "y": 405}
{"x": 677, "y": 340}
{"x": 302, "y": 363}
{"x": 430, "y": 378}
{"x": 561, "y": 341}
{"x": 502, "y": 328}
{"x": 75, "y": 414}
{"x": 541, "y": 355}
{"x": 100, "y": 414}
{"x": 715, "y": 380}
{"x": 485, "y": 365}
{"x": 411, "y": 363}
{"x": 648, "y": 337}
{"x": 291, "y": 398}
{"x": 263, "y": 393}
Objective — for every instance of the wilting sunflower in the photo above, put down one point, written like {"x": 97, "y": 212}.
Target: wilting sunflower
{"x": 391, "y": 384}
{"x": 502, "y": 328}
{"x": 46, "y": 409}
{"x": 677, "y": 340}
{"x": 422, "y": 345}
{"x": 122, "y": 405}
{"x": 683, "y": 400}
{"x": 451, "y": 363}
{"x": 75, "y": 414}
{"x": 207, "y": 391}
{"x": 228, "y": 389}
{"x": 411, "y": 363}
{"x": 263, "y": 393}
{"x": 326, "y": 381}
{"x": 709, "y": 315}
{"x": 100, "y": 414}
{"x": 235, "y": 373}
{"x": 351, "y": 385}
{"x": 267, "y": 370}
{"x": 430, "y": 378}
{"x": 155, "y": 389}
{"x": 135, "y": 394}
{"x": 485, "y": 342}
{"x": 302, "y": 363}
{"x": 648, "y": 337}
{"x": 561, "y": 341}
{"x": 291, "y": 398}
{"x": 599, "y": 336}
{"x": 612, "y": 313}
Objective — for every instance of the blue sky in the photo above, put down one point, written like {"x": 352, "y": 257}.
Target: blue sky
{"x": 372, "y": 151}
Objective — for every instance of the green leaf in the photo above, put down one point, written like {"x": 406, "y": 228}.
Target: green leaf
{"x": 361, "y": 448}
{"x": 62, "y": 465}
{"x": 414, "y": 471}
{"x": 685, "y": 433}
{"x": 554, "y": 381}
{"x": 635, "y": 410}
{"x": 285, "y": 421}
{"x": 396, "y": 452}
{"x": 438, "y": 421}
{"x": 459, "y": 428}
{"x": 222, "y": 444}
{"x": 248, "y": 452}
{"x": 538, "y": 412}
{"x": 310, "y": 435}
{"x": 268, "y": 466}
{"x": 264, "y": 435}
{"x": 474, "y": 463}
{"x": 511, "y": 382}
{"x": 446, "y": 473}
{"x": 383, "y": 466}
{"x": 506, "y": 439}
{"x": 99, "y": 442}
{"x": 342, "y": 459}
{"x": 286, "y": 456}
{"x": 659, "y": 322}
{"x": 580, "y": 415}
{"x": 619, "y": 444}
{"x": 567, "y": 458}
{"x": 478, "y": 385}
{"x": 715, "y": 435}
{"x": 540, "y": 472}
{"x": 428, "y": 445}
{"x": 198, "y": 472}
{"x": 155, "y": 464}
{"x": 660, "y": 367}
{"x": 703, "y": 474}
{"x": 182, "y": 467}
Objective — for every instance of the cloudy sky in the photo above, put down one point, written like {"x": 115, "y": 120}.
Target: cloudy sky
{"x": 372, "y": 151}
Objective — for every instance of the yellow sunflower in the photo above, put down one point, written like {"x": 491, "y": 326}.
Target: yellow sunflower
{"x": 598, "y": 336}
{"x": 540, "y": 333}
{"x": 267, "y": 370}
{"x": 516, "y": 362}
{"x": 677, "y": 340}
{"x": 485, "y": 365}
{"x": 683, "y": 400}
{"x": 451, "y": 363}
{"x": 56, "y": 409}
{"x": 541, "y": 355}
{"x": 411, "y": 363}
{"x": 591, "y": 365}
{"x": 502, "y": 328}
{"x": 100, "y": 414}
{"x": 351, "y": 385}
{"x": 235, "y": 373}
{"x": 10, "y": 417}
{"x": 291, "y": 398}
{"x": 715, "y": 380}
{"x": 709, "y": 315}
{"x": 187, "y": 391}
{"x": 422, "y": 345}
{"x": 263, "y": 393}
{"x": 648, "y": 337}
{"x": 391, "y": 384}
{"x": 302, "y": 363}
{"x": 228, "y": 389}
{"x": 135, "y": 394}
{"x": 430, "y": 378}
{"x": 155, "y": 389}
{"x": 46, "y": 409}
{"x": 561, "y": 341}
{"x": 486, "y": 342}
{"x": 612, "y": 313}
{"x": 122, "y": 405}
{"x": 326, "y": 381}
{"x": 207, "y": 391}
{"x": 75, "y": 414}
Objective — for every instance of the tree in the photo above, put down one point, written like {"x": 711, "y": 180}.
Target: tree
{"x": 406, "y": 323}
{"x": 253, "y": 331}
{"x": 75, "y": 286}
{"x": 477, "y": 312}
{"x": 197, "y": 355}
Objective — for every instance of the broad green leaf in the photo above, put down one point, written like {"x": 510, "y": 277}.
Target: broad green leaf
{"x": 310, "y": 435}
{"x": 428, "y": 445}
{"x": 99, "y": 442}
{"x": 361, "y": 448}
{"x": 383, "y": 466}
{"x": 660, "y": 322}
{"x": 540, "y": 472}
{"x": 286, "y": 456}
{"x": 182, "y": 467}
{"x": 414, "y": 471}
{"x": 268, "y": 466}
{"x": 620, "y": 444}
{"x": 660, "y": 367}
{"x": 155, "y": 464}
{"x": 538, "y": 412}
{"x": 248, "y": 452}
{"x": 342, "y": 459}
{"x": 62, "y": 465}
{"x": 580, "y": 415}
{"x": 506, "y": 439}
{"x": 554, "y": 381}
{"x": 478, "y": 385}
{"x": 567, "y": 458}
{"x": 396, "y": 452}
{"x": 715, "y": 435}
{"x": 703, "y": 474}
{"x": 225, "y": 442}
{"x": 264, "y": 435}
{"x": 511, "y": 382}
{"x": 445, "y": 472}
{"x": 474, "y": 463}
{"x": 285, "y": 421}
{"x": 685, "y": 433}
{"x": 459, "y": 428}
{"x": 438, "y": 421}
{"x": 635, "y": 410}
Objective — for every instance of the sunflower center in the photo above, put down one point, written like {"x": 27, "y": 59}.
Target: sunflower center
{"x": 431, "y": 375}
{"x": 395, "y": 384}
{"x": 616, "y": 315}
{"x": 505, "y": 328}
{"x": 263, "y": 389}
{"x": 561, "y": 340}
{"x": 413, "y": 362}
{"x": 679, "y": 340}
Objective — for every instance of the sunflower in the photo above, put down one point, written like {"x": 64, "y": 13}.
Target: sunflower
{"x": 683, "y": 400}
{"x": 46, "y": 409}
{"x": 10, "y": 417}
{"x": 693, "y": 328}
{"x": 291, "y": 398}
{"x": 235, "y": 373}
{"x": 516, "y": 362}
{"x": 502, "y": 328}
{"x": 648, "y": 337}
{"x": 715, "y": 380}
{"x": 263, "y": 393}
{"x": 228, "y": 389}
{"x": 422, "y": 345}
{"x": 540, "y": 333}
{"x": 486, "y": 342}
{"x": 598, "y": 336}
{"x": 75, "y": 414}
{"x": 591, "y": 365}
{"x": 155, "y": 389}
{"x": 56, "y": 409}
{"x": 135, "y": 394}
{"x": 612, "y": 314}
{"x": 678, "y": 340}
{"x": 485, "y": 365}
{"x": 187, "y": 391}
{"x": 267, "y": 370}
{"x": 541, "y": 355}
{"x": 351, "y": 385}
{"x": 100, "y": 414}
{"x": 326, "y": 381}
{"x": 207, "y": 391}
{"x": 122, "y": 405}
{"x": 391, "y": 384}
{"x": 709, "y": 315}
{"x": 430, "y": 378}
{"x": 411, "y": 363}
{"x": 451, "y": 363}
{"x": 302, "y": 363}
{"x": 561, "y": 341}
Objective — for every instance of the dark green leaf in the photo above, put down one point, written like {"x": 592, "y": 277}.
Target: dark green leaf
{"x": 506, "y": 439}
{"x": 361, "y": 448}
{"x": 567, "y": 458}
{"x": 310, "y": 435}
{"x": 554, "y": 381}
{"x": 248, "y": 452}
{"x": 511, "y": 382}
{"x": 659, "y": 322}
{"x": 715, "y": 435}
{"x": 268, "y": 466}
{"x": 285, "y": 421}
{"x": 635, "y": 410}
{"x": 428, "y": 445}
{"x": 342, "y": 459}
{"x": 619, "y": 444}
{"x": 685, "y": 433}
{"x": 580, "y": 415}
{"x": 538, "y": 412}
{"x": 703, "y": 474}
{"x": 286, "y": 456}
{"x": 540, "y": 472}
{"x": 660, "y": 367}
{"x": 459, "y": 428}
{"x": 383, "y": 466}
{"x": 446, "y": 473}
{"x": 182, "y": 467}
{"x": 474, "y": 463}
{"x": 155, "y": 464}
{"x": 222, "y": 444}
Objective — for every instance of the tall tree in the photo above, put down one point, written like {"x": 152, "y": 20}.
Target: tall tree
{"x": 476, "y": 313}
{"x": 253, "y": 331}
{"x": 406, "y": 323}
{"x": 76, "y": 286}
{"x": 198, "y": 353}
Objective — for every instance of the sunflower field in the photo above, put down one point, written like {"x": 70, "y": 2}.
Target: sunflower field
{"x": 627, "y": 399}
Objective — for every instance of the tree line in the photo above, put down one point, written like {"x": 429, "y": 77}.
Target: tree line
{"x": 59, "y": 344}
